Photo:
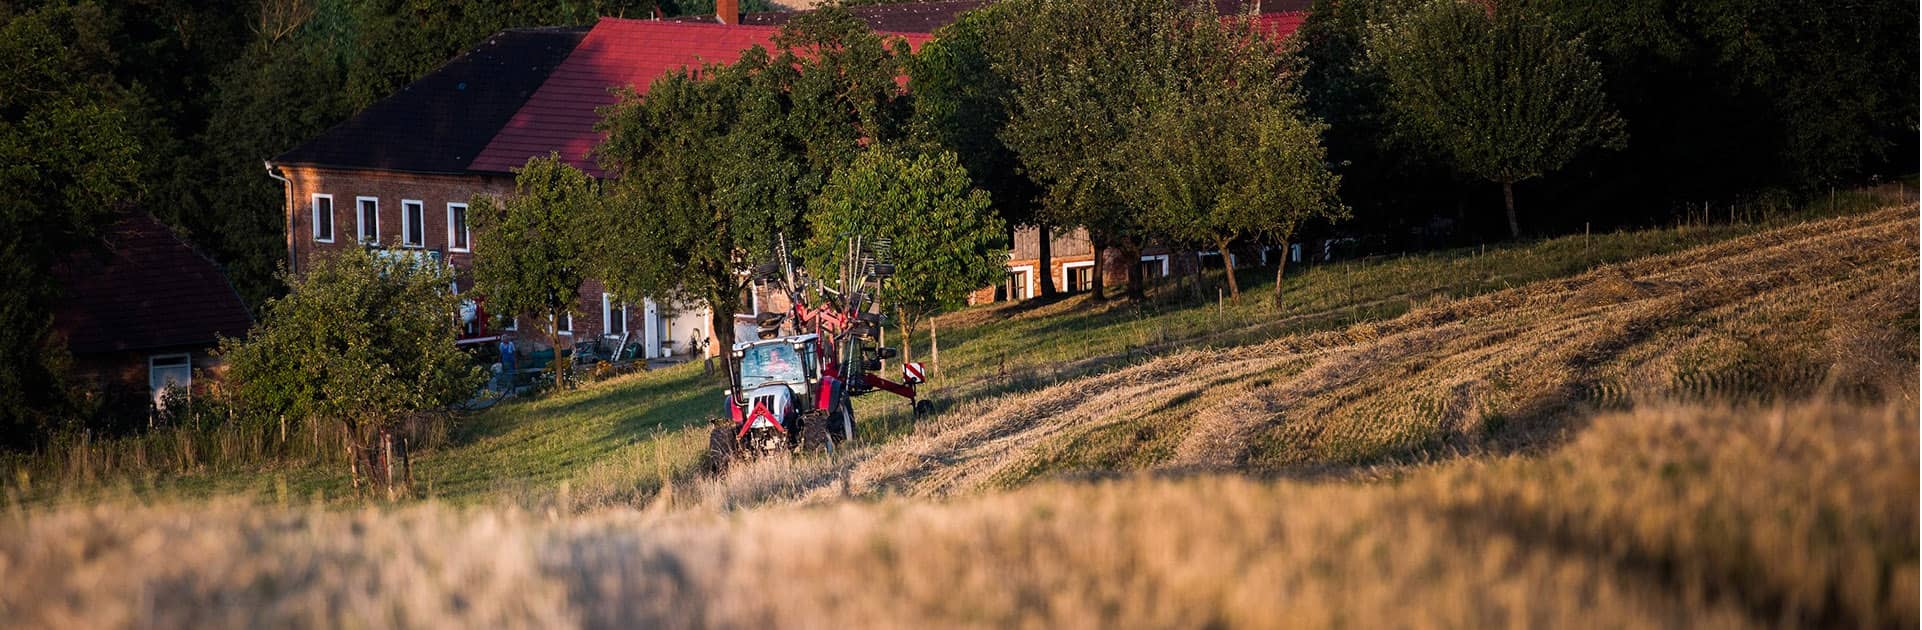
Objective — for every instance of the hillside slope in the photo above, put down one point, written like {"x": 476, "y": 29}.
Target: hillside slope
{"x": 1821, "y": 307}
{"x": 1721, "y": 437}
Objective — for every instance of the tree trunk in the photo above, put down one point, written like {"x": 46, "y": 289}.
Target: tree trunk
{"x": 1137, "y": 285}
{"x": 1508, "y": 202}
{"x": 907, "y": 338}
{"x": 721, "y": 324}
{"x": 554, "y": 341}
{"x": 1195, "y": 277}
{"x": 1046, "y": 245}
{"x": 1280, "y": 266}
{"x": 1228, "y": 267}
{"x": 1099, "y": 283}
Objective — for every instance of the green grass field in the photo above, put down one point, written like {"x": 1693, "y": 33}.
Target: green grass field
{"x": 616, "y": 441}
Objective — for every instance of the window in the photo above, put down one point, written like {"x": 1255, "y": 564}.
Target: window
{"x": 1155, "y": 266}
{"x": 413, "y": 223}
{"x": 367, "y": 217}
{"x": 457, "y": 234}
{"x": 1021, "y": 283}
{"x": 566, "y": 325}
{"x": 167, "y": 372}
{"x": 1077, "y": 276}
{"x": 613, "y": 316}
{"x": 324, "y": 218}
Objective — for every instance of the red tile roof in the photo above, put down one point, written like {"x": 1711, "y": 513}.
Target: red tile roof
{"x": 560, "y": 116}
{"x": 151, "y": 291}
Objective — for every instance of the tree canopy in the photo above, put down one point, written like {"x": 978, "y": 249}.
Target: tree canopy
{"x": 68, "y": 166}
{"x": 711, "y": 165}
{"x": 531, "y": 248}
{"x": 1505, "y": 94}
{"x": 360, "y": 338}
{"x": 943, "y": 239}
{"x": 1080, "y": 72}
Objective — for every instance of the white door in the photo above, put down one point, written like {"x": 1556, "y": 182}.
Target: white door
{"x": 651, "y": 330}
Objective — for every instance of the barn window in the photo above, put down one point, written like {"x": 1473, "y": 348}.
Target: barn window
{"x": 613, "y": 316}
{"x": 324, "y": 218}
{"x": 457, "y": 234}
{"x": 169, "y": 372}
{"x": 413, "y": 223}
{"x": 1077, "y": 276}
{"x": 367, "y": 217}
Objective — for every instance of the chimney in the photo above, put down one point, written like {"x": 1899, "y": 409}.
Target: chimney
{"x": 727, "y": 11}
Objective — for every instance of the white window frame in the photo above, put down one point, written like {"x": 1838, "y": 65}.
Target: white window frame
{"x": 569, "y": 331}
{"x": 513, "y": 325}
{"x": 407, "y": 236}
{"x": 1162, "y": 258}
{"x": 313, "y": 206}
{"x": 467, "y": 231}
{"x": 368, "y": 235}
{"x": 1232, "y": 259}
{"x": 188, "y": 386}
{"x": 607, "y": 315}
{"x": 1029, "y": 289}
{"x": 1075, "y": 265}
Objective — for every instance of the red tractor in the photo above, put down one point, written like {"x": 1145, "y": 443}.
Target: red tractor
{"x": 792, "y": 389}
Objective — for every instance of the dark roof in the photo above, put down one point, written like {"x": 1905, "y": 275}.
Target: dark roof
{"x": 439, "y": 123}
{"x": 150, "y": 291}
{"x": 560, "y": 117}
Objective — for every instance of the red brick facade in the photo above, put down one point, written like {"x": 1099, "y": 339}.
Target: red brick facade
{"x": 392, "y": 194}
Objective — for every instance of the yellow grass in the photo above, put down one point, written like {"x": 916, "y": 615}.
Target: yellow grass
{"x": 1684, "y": 516}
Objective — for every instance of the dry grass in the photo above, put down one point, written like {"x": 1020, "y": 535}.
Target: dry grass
{"x": 1826, "y": 307}
{"x": 1688, "y": 516}
{"x": 1721, "y": 437}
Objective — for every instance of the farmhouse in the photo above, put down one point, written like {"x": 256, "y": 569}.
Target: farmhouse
{"x": 398, "y": 175}
{"x": 141, "y": 318}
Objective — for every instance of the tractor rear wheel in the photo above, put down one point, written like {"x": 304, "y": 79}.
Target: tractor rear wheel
{"x": 722, "y": 450}
{"x": 815, "y": 433}
{"x": 923, "y": 407}
{"x": 841, "y": 424}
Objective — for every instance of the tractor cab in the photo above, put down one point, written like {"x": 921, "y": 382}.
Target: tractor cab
{"x": 794, "y": 363}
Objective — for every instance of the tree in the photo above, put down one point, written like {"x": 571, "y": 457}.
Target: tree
{"x": 67, "y": 167}
{"x": 1225, "y": 154}
{"x": 712, "y": 165}
{"x": 961, "y": 104}
{"x": 530, "y": 249}
{"x": 1503, "y": 93}
{"x": 361, "y": 339}
{"x": 1080, "y": 72}
{"x": 945, "y": 242}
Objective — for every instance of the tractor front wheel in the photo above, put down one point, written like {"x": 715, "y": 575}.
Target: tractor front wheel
{"x": 815, "y": 433}
{"x": 722, "y": 450}
{"x": 923, "y": 407}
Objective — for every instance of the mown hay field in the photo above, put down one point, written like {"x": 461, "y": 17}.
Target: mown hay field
{"x": 1678, "y": 516}
{"x": 1722, "y": 436}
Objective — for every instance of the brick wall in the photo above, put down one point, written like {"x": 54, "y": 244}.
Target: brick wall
{"x": 390, "y": 191}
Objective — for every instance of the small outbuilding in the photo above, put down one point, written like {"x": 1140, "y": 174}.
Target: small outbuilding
{"x": 141, "y": 317}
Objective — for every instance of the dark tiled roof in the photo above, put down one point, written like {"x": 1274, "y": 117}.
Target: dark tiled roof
{"x": 151, "y": 291}
{"x": 439, "y": 123}
{"x": 560, "y": 117}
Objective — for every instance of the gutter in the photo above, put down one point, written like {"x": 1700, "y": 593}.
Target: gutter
{"x": 288, "y": 212}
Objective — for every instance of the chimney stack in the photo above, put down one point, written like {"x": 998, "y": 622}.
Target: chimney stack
{"x": 727, "y": 11}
